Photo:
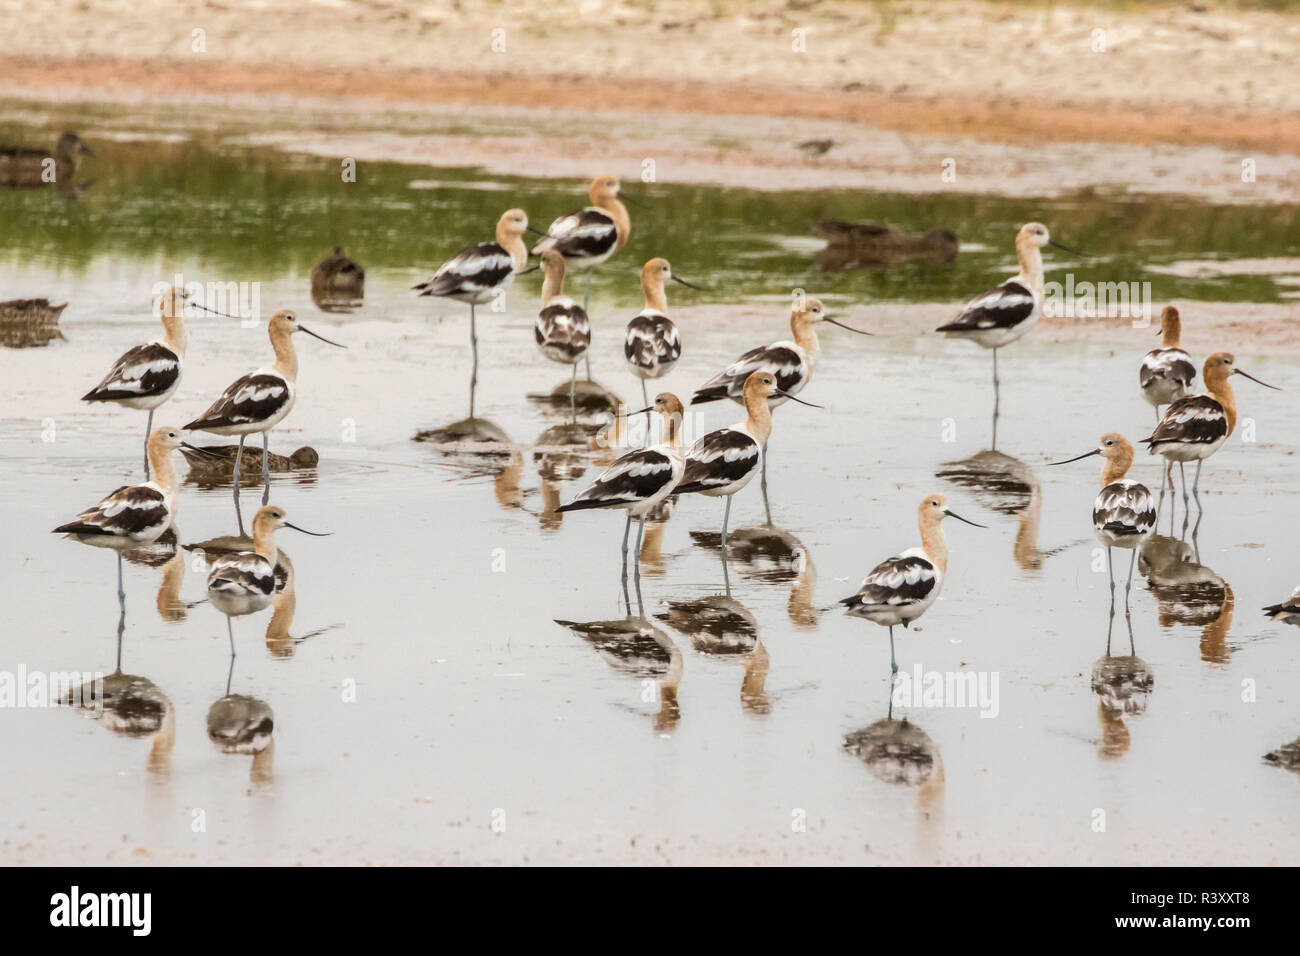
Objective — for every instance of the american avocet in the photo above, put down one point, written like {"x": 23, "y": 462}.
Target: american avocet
{"x": 1003, "y": 314}
{"x": 1167, "y": 372}
{"x": 652, "y": 345}
{"x": 243, "y": 582}
{"x": 337, "y": 277}
{"x": 148, "y": 375}
{"x": 588, "y": 237}
{"x": 562, "y": 329}
{"x": 724, "y": 461}
{"x": 1123, "y": 513}
{"x": 1196, "y": 426}
{"x": 639, "y": 480}
{"x": 133, "y": 515}
{"x": 478, "y": 274}
{"x": 260, "y": 400}
{"x": 1288, "y": 610}
{"x": 792, "y": 362}
{"x": 898, "y": 590}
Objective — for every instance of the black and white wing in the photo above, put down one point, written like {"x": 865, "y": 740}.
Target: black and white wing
{"x": 1288, "y": 610}
{"x": 1174, "y": 365}
{"x": 895, "y": 584}
{"x": 1002, "y": 308}
{"x": 781, "y": 360}
{"x": 652, "y": 342}
{"x": 252, "y": 398}
{"x": 586, "y": 234}
{"x": 719, "y": 459}
{"x": 634, "y": 477}
{"x": 562, "y": 331}
{"x": 242, "y": 574}
{"x": 1124, "y": 508}
{"x": 474, "y": 270}
{"x": 143, "y": 371}
{"x": 1195, "y": 420}
{"x": 132, "y": 511}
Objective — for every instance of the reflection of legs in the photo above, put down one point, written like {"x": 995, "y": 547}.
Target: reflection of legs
{"x": 726, "y": 518}
{"x": 994, "y": 446}
{"x": 1182, "y": 470}
{"x": 230, "y": 631}
{"x": 266, "y": 468}
{"x": 473, "y": 372}
{"x": 1196, "y": 488}
{"x": 239, "y": 460}
{"x": 147, "y": 429}
{"x": 1110, "y": 627}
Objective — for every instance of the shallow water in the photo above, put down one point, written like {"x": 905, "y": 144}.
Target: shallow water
{"x": 433, "y": 709}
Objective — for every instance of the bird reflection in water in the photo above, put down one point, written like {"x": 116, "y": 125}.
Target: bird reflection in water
{"x": 30, "y": 323}
{"x": 1123, "y": 688}
{"x": 498, "y": 460}
{"x": 1188, "y": 593}
{"x": 635, "y": 647}
{"x": 1287, "y": 756}
{"x": 559, "y": 460}
{"x": 338, "y": 284}
{"x": 240, "y": 724}
{"x": 1007, "y": 486}
{"x": 131, "y": 706}
{"x": 720, "y": 626}
{"x": 772, "y": 555}
{"x": 900, "y": 753}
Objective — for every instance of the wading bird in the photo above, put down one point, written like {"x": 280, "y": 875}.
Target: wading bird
{"x": 652, "y": 345}
{"x": 133, "y": 515}
{"x": 588, "y": 237}
{"x": 1167, "y": 372}
{"x": 478, "y": 274}
{"x": 792, "y": 362}
{"x": 1003, "y": 314}
{"x": 639, "y": 480}
{"x": 148, "y": 375}
{"x": 562, "y": 329}
{"x": 898, "y": 590}
{"x": 25, "y": 167}
{"x": 337, "y": 277}
{"x": 1195, "y": 427}
{"x": 1123, "y": 513}
{"x": 260, "y": 400}
{"x": 243, "y": 582}
{"x": 723, "y": 461}
{"x": 1288, "y": 611}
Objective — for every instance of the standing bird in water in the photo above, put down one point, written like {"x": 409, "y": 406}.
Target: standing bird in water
{"x": 898, "y": 590}
{"x": 588, "y": 237}
{"x": 562, "y": 329}
{"x": 1124, "y": 513}
{"x": 639, "y": 480}
{"x": 478, "y": 274}
{"x": 1195, "y": 427}
{"x": 260, "y": 400}
{"x": 148, "y": 375}
{"x": 243, "y": 582}
{"x": 1004, "y": 314}
{"x": 792, "y": 362}
{"x": 1165, "y": 376}
{"x": 724, "y": 461}
{"x": 652, "y": 345}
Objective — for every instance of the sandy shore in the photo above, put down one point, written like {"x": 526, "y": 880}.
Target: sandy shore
{"x": 1183, "y": 74}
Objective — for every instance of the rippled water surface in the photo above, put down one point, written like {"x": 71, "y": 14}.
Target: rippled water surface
{"x": 455, "y": 677}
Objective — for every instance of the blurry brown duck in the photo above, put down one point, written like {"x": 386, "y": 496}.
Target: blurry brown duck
{"x": 337, "y": 277}
{"x": 29, "y": 323}
{"x": 24, "y": 167}
{"x": 852, "y": 244}
{"x": 211, "y": 460}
